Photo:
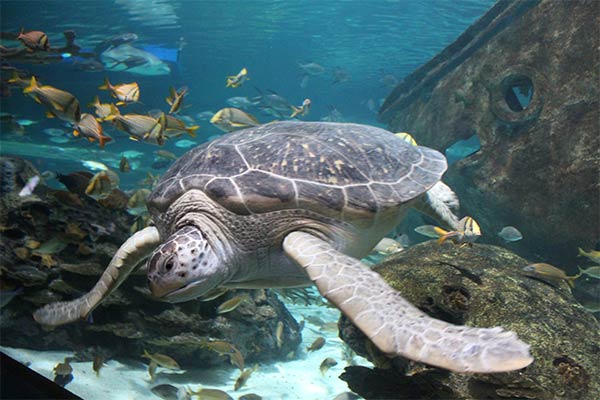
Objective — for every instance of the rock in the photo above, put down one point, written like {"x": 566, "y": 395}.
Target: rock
{"x": 538, "y": 165}
{"x": 484, "y": 286}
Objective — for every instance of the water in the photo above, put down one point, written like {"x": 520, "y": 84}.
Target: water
{"x": 375, "y": 43}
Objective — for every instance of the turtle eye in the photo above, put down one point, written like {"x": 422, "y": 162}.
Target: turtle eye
{"x": 169, "y": 264}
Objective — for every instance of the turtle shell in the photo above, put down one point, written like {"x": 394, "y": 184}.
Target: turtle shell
{"x": 341, "y": 170}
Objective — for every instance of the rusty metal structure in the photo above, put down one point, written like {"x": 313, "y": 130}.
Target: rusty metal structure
{"x": 524, "y": 79}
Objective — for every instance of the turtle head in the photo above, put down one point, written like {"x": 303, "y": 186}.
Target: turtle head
{"x": 184, "y": 267}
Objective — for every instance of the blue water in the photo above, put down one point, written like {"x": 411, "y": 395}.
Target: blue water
{"x": 367, "y": 39}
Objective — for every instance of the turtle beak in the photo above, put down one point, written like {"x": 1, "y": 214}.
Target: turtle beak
{"x": 163, "y": 275}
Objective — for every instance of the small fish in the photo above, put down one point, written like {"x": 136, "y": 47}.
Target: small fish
{"x": 429, "y": 231}
{"x": 102, "y": 110}
{"x": 124, "y": 165}
{"x": 550, "y": 272}
{"x": 279, "y": 334}
{"x": 237, "y": 102}
{"x": 407, "y": 137}
{"x": 63, "y": 368}
{"x": 317, "y": 344}
{"x": 185, "y": 143}
{"x": 243, "y": 378}
{"x": 124, "y": 92}
{"x": 140, "y": 127}
{"x": 25, "y": 122}
{"x": 592, "y": 272}
{"x": 510, "y": 234}
{"x": 250, "y": 396}
{"x": 162, "y": 360}
{"x": 311, "y": 69}
{"x": 175, "y": 127}
{"x": 91, "y": 129}
{"x": 175, "y": 99}
{"x": 136, "y": 205}
{"x": 60, "y": 104}
{"x": 388, "y": 246}
{"x": 225, "y": 348}
{"x": 34, "y": 40}
{"x": 231, "y": 119}
{"x": 165, "y": 154}
{"x": 166, "y": 391}
{"x": 94, "y": 165}
{"x": 302, "y": 110}
{"x": 237, "y": 80}
{"x": 98, "y": 363}
{"x": 593, "y": 255}
{"x": 30, "y": 186}
{"x": 102, "y": 184}
{"x": 215, "y": 293}
{"x": 326, "y": 364}
{"x": 52, "y": 246}
{"x": 210, "y": 394}
{"x": 152, "y": 370}
{"x": 467, "y": 232}
{"x": 232, "y": 304}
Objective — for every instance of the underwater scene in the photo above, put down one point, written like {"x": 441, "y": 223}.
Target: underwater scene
{"x": 325, "y": 200}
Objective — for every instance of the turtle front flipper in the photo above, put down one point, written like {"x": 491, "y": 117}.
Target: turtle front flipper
{"x": 439, "y": 202}
{"x": 135, "y": 249}
{"x": 394, "y": 325}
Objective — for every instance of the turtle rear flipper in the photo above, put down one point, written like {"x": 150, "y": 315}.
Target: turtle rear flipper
{"x": 394, "y": 325}
{"x": 135, "y": 249}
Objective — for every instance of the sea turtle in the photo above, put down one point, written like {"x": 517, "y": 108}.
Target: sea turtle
{"x": 287, "y": 203}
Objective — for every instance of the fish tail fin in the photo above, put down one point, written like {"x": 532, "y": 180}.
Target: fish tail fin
{"x": 295, "y": 111}
{"x": 102, "y": 140}
{"x": 169, "y": 100}
{"x": 114, "y": 112}
{"x": 571, "y": 279}
{"x": 94, "y": 102}
{"x": 192, "y": 130}
{"x": 106, "y": 85}
{"x": 146, "y": 354}
{"x": 440, "y": 231}
{"x": 32, "y": 86}
{"x": 445, "y": 236}
{"x": 14, "y": 78}
{"x": 581, "y": 252}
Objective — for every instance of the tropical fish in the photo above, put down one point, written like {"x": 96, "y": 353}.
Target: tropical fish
{"x": 407, "y": 137}
{"x": 326, "y": 364}
{"x": 237, "y": 80}
{"x": 94, "y": 165}
{"x": 30, "y": 186}
{"x": 510, "y": 234}
{"x": 302, "y": 110}
{"x": 430, "y": 231}
{"x": 52, "y": 246}
{"x": 175, "y": 99}
{"x": 125, "y": 92}
{"x": 165, "y": 154}
{"x": 550, "y": 272}
{"x": 317, "y": 344}
{"x": 231, "y": 119}
{"x": 592, "y": 272}
{"x": 124, "y": 165}
{"x": 152, "y": 369}
{"x": 75, "y": 182}
{"x": 388, "y": 246}
{"x": 140, "y": 127}
{"x": 311, "y": 69}
{"x": 207, "y": 115}
{"x": 237, "y": 102}
{"x": 60, "y": 104}
{"x": 91, "y": 129}
{"x": 102, "y": 184}
{"x": 136, "y": 205}
{"x": 126, "y": 57}
{"x": 102, "y": 110}
{"x": 166, "y": 392}
{"x": 21, "y": 81}
{"x": 63, "y": 368}
{"x": 467, "y": 232}
{"x": 34, "y": 40}
{"x": 185, "y": 143}
{"x": 210, "y": 394}
{"x": 98, "y": 363}
{"x": 279, "y": 334}
{"x": 161, "y": 360}
{"x": 243, "y": 378}
{"x": 174, "y": 126}
{"x": 232, "y": 304}
{"x": 272, "y": 103}
{"x": 593, "y": 255}
{"x": 225, "y": 348}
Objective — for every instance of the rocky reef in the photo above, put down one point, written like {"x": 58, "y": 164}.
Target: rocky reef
{"x": 55, "y": 244}
{"x": 522, "y": 79}
{"x": 483, "y": 286}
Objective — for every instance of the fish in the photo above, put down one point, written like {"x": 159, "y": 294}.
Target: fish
{"x": 75, "y": 182}
{"x": 26, "y": 122}
{"x": 232, "y": 304}
{"x": 225, "y": 348}
{"x": 317, "y": 344}
{"x": 237, "y": 102}
{"x": 326, "y": 364}
{"x": 467, "y": 232}
{"x": 30, "y": 186}
{"x": 243, "y": 378}
{"x": 165, "y": 154}
{"x": 52, "y": 246}
{"x": 94, "y": 165}
{"x": 250, "y": 396}
{"x": 547, "y": 271}
{"x": 115, "y": 41}
{"x": 21, "y": 81}
{"x": 174, "y": 126}
{"x": 593, "y": 255}
{"x": 102, "y": 184}
{"x": 102, "y": 110}
{"x": 162, "y": 360}
{"x": 185, "y": 143}
{"x": 91, "y": 129}
{"x": 232, "y": 119}
{"x": 140, "y": 127}
{"x": 237, "y": 80}
{"x": 59, "y": 103}
{"x": 301, "y": 110}
{"x": 207, "y": 115}
{"x": 124, "y": 165}
{"x": 126, "y": 57}
{"x": 63, "y": 368}
{"x": 334, "y": 115}
{"x": 592, "y": 272}
{"x": 210, "y": 394}
{"x": 214, "y": 293}
{"x": 175, "y": 99}
{"x": 388, "y": 246}
{"x": 124, "y": 92}
{"x": 34, "y": 40}
{"x": 279, "y": 334}
{"x": 152, "y": 370}
{"x": 340, "y": 75}
{"x": 311, "y": 69}
{"x": 166, "y": 391}
{"x": 429, "y": 231}
{"x": 272, "y": 103}
{"x": 510, "y": 234}
{"x": 136, "y": 205}
{"x": 407, "y": 137}
{"x": 98, "y": 363}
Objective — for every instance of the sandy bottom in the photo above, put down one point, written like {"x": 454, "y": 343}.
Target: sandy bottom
{"x": 298, "y": 378}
